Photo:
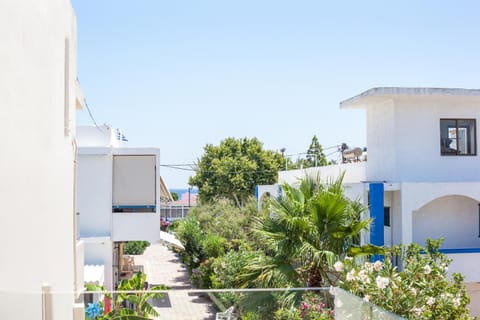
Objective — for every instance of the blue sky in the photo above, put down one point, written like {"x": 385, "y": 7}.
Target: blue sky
{"x": 180, "y": 74}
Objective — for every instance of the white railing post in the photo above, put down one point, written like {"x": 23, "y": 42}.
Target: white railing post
{"x": 46, "y": 302}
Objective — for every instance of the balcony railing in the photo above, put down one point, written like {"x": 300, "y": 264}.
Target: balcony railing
{"x": 174, "y": 212}
{"x": 190, "y": 304}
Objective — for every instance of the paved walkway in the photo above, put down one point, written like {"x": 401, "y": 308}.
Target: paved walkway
{"x": 162, "y": 266}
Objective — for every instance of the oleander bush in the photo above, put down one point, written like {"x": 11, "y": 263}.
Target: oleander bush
{"x": 421, "y": 290}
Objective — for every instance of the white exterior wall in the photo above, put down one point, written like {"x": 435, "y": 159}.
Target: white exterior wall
{"x": 95, "y": 194}
{"x": 99, "y": 251}
{"x": 403, "y": 136}
{"x": 95, "y": 197}
{"x": 96, "y": 136}
{"x": 414, "y": 196}
{"x": 455, "y": 219}
{"x": 354, "y": 172}
{"x": 37, "y": 108}
{"x": 381, "y": 142}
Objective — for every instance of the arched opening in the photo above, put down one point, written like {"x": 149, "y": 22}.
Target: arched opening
{"x": 454, "y": 218}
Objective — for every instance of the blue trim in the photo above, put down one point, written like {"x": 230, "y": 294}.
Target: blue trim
{"x": 134, "y": 207}
{"x": 256, "y": 192}
{"x": 376, "y": 214}
{"x": 460, "y": 250}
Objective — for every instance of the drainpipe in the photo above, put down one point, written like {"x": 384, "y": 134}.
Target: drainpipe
{"x": 46, "y": 302}
{"x": 75, "y": 229}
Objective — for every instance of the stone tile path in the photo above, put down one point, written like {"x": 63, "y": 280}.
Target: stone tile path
{"x": 162, "y": 266}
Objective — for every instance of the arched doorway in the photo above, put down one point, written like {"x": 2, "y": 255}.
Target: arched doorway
{"x": 454, "y": 218}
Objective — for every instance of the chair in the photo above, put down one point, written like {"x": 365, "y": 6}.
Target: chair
{"x": 226, "y": 315}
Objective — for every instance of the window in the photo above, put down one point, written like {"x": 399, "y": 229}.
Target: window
{"x": 386, "y": 216}
{"x": 458, "y": 137}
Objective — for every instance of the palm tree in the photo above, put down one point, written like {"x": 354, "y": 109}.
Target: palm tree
{"x": 136, "y": 295}
{"x": 311, "y": 226}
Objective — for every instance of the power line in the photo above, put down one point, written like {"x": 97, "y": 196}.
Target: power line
{"x": 90, "y": 112}
{"x": 208, "y": 171}
{"x": 88, "y": 108}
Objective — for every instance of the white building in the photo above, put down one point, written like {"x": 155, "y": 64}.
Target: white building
{"x": 118, "y": 199}
{"x": 38, "y": 98}
{"x": 421, "y": 178}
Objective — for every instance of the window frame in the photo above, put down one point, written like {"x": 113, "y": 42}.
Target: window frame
{"x": 474, "y": 152}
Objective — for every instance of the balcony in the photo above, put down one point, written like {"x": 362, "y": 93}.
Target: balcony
{"x": 135, "y": 226}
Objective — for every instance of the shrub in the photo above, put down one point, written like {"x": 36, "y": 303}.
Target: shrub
{"x": 191, "y": 235}
{"x": 420, "y": 291}
{"x": 225, "y": 219}
{"x": 135, "y": 247}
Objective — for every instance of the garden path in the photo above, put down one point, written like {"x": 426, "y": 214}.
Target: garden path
{"x": 162, "y": 266}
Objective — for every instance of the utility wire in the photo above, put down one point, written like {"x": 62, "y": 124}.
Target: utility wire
{"x": 207, "y": 171}
{"x": 90, "y": 113}
{"x": 88, "y": 108}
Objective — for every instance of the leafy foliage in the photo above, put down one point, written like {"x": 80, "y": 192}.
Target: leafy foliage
{"x": 225, "y": 219}
{"x": 312, "y": 307}
{"x": 142, "y": 309}
{"x": 174, "y": 196}
{"x": 310, "y": 227}
{"x": 420, "y": 291}
{"x": 211, "y": 230}
{"x": 135, "y": 247}
{"x": 233, "y": 169}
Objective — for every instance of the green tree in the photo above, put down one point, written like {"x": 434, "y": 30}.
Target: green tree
{"x": 233, "y": 169}
{"x": 315, "y": 155}
{"x": 174, "y": 196}
{"x": 310, "y": 227}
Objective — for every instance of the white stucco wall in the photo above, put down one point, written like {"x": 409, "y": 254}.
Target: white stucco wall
{"x": 403, "y": 139}
{"x": 418, "y": 140}
{"x": 37, "y": 108}
{"x": 381, "y": 144}
{"x": 454, "y": 218}
{"x": 354, "y": 172}
{"x": 97, "y": 136}
{"x": 98, "y": 251}
{"x": 416, "y": 195}
{"x": 95, "y": 195}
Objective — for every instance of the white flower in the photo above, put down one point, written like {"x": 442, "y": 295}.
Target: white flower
{"x": 427, "y": 269}
{"x": 417, "y": 311}
{"x": 348, "y": 258}
{"x": 382, "y": 282}
{"x": 413, "y": 291}
{"x": 363, "y": 276}
{"x": 377, "y": 265}
{"x": 366, "y": 298}
{"x": 430, "y": 301}
{"x": 338, "y": 266}
{"x": 351, "y": 275}
{"x": 368, "y": 267}
{"x": 456, "y": 302}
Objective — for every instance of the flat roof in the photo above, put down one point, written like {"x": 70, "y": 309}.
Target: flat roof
{"x": 380, "y": 93}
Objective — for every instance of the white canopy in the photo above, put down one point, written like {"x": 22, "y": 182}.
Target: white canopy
{"x": 94, "y": 274}
{"x": 168, "y": 238}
